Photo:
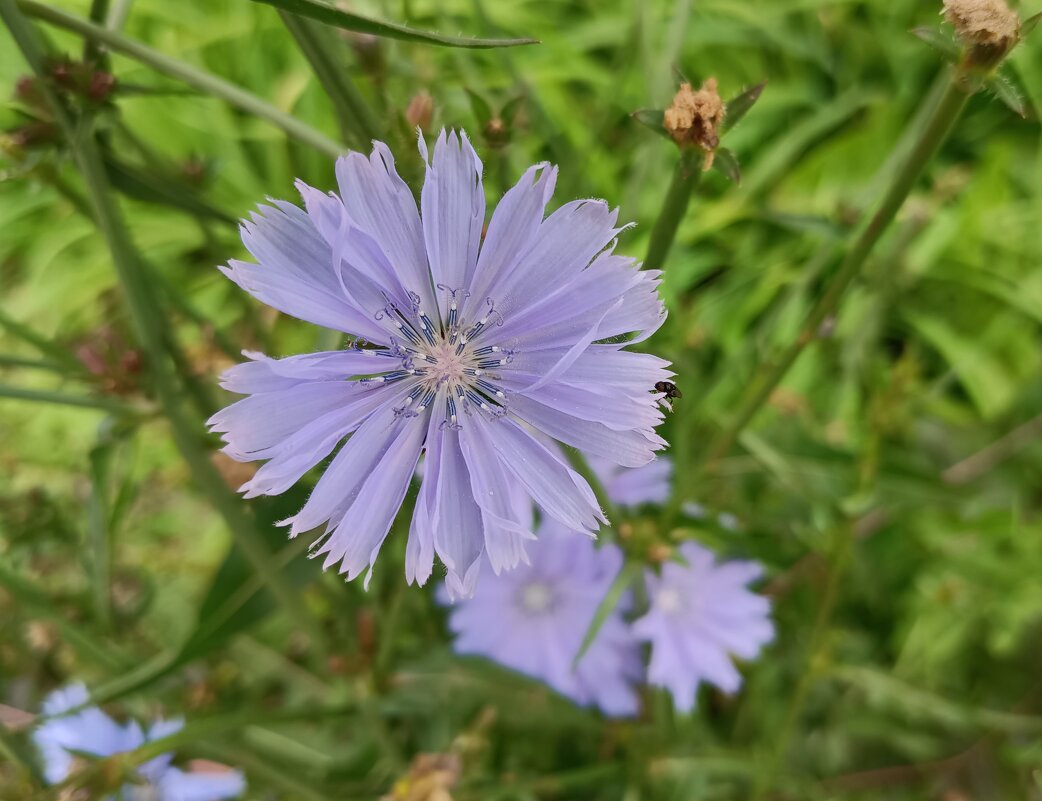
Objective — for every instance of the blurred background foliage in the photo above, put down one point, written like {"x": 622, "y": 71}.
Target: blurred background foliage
{"x": 891, "y": 485}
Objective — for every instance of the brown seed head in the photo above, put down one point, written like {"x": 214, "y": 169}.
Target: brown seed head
{"x": 990, "y": 28}
{"x": 694, "y": 118}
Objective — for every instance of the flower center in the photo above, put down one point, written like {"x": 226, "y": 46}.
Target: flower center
{"x": 669, "y": 601}
{"x": 444, "y": 359}
{"x": 537, "y": 598}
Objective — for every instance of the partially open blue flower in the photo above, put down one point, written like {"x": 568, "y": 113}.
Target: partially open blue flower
{"x": 90, "y": 731}
{"x": 533, "y": 620}
{"x": 701, "y": 614}
{"x": 464, "y": 344}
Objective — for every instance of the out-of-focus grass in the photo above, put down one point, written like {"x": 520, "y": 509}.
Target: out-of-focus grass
{"x": 934, "y": 356}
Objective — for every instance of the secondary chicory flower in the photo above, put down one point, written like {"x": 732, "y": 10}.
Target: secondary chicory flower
{"x": 629, "y": 487}
{"x": 700, "y": 615}
{"x": 461, "y": 343}
{"x": 91, "y": 731}
{"x": 533, "y": 620}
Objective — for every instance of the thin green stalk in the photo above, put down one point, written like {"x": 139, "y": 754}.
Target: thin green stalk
{"x": 99, "y": 11}
{"x": 100, "y": 532}
{"x": 81, "y": 401}
{"x": 815, "y": 659}
{"x": 30, "y": 364}
{"x": 57, "y": 353}
{"x": 118, "y": 14}
{"x": 147, "y": 320}
{"x": 357, "y": 123}
{"x": 686, "y": 176}
{"x": 933, "y": 134}
{"x": 201, "y": 80}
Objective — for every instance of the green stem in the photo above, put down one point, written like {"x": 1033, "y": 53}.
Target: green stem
{"x": 30, "y": 364}
{"x": 357, "y": 123}
{"x": 146, "y": 317}
{"x": 45, "y": 346}
{"x": 99, "y": 11}
{"x": 934, "y": 132}
{"x": 815, "y": 659}
{"x": 81, "y": 401}
{"x": 686, "y": 176}
{"x": 203, "y": 81}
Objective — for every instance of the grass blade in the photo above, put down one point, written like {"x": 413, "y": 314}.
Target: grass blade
{"x": 628, "y": 574}
{"x": 110, "y": 405}
{"x": 148, "y": 321}
{"x": 201, "y": 80}
{"x": 359, "y": 24}
{"x": 357, "y": 122}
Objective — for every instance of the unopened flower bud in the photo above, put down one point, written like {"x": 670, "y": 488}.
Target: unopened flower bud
{"x": 988, "y": 28}
{"x": 694, "y": 118}
{"x": 496, "y": 132}
{"x": 420, "y": 110}
{"x": 101, "y": 86}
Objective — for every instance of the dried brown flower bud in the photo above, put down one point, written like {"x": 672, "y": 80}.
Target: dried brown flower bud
{"x": 420, "y": 110}
{"x": 694, "y": 118}
{"x": 989, "y": 28}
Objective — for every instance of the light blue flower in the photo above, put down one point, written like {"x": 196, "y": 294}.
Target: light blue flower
{"x": 90, "y": 731}
{"x": 464, "y": 345}
{"x": 701, "y": 614}
{"x": 533, "y": 620}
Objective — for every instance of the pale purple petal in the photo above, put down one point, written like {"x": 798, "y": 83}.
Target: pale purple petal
{"x": 453, "y": 211}
{"x": 212, "y": 785}
{"x": 515, "y": 354}
{"x": 534, "y": 618}
{"x": 702, "y": 614}
{"x": 295, "y": 272}
{"x": 380, "y": 204}
{"x": 356, "y": 540}
{"x": 632, "y": 487}
{"x": 553, "y": 485}
{"x": 458, "y": 530}
{"x": 512, "y": 232}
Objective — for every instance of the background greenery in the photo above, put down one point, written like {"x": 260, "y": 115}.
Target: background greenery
{"x": 891, "y": 485}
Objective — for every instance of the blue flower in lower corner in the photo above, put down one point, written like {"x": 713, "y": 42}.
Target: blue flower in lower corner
{"x": 62, "y": 740}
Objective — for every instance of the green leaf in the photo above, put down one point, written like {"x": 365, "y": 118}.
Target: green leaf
{"x": 739, "y": 106}
{"x": 629, "y": 573}
{"x": 480, "y": 107}
{"x": 236, "y": 598}
{"x": 940, "y": 41}
{"x": 725, "y": 162}
{"x": 651, "y": 118}
{"x": 1028, "y": 25}
{"x": 137, "y": 184}
{"x": 1004, "y": 89}
{"x": 359, "y": 24}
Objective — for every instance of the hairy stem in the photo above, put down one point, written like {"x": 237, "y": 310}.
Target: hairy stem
{"x": 686, "y": 176}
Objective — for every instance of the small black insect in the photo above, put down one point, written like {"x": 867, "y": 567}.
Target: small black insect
{"x": 671, "y": 392}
